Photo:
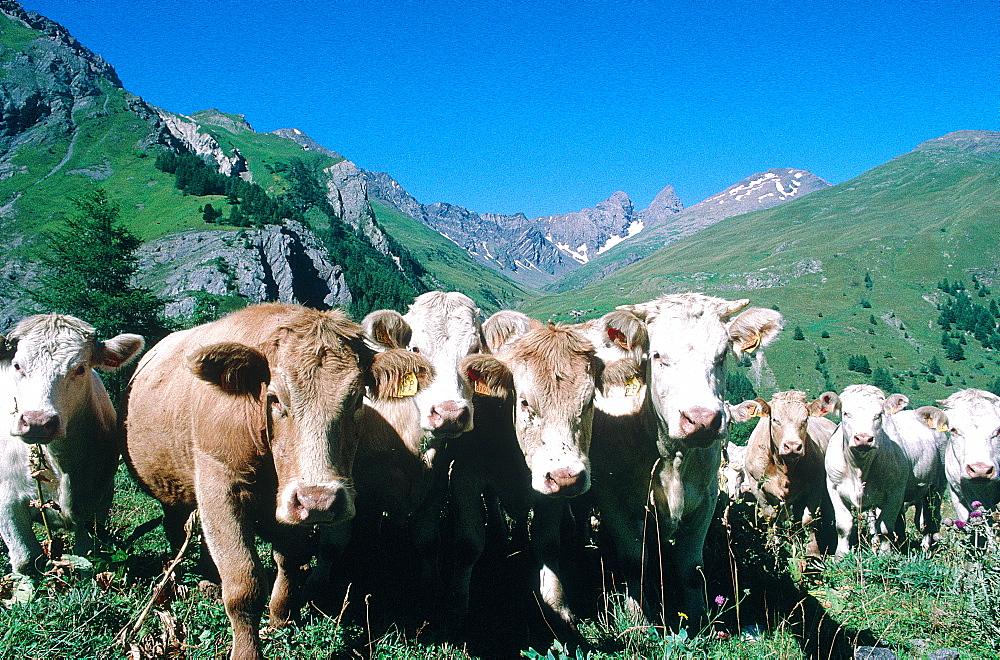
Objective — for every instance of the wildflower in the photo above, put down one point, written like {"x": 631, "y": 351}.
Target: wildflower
{"x": 977, "y": 505}
{"x": 976, "y": 514}
{"x": 682, "y": 615}
{"x": 720, "y": 600}
{"x": 947, "y": 522}
{"x": 959, "y": 524}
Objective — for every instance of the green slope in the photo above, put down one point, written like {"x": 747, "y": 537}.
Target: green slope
{"x": 451, "y": 267}
{"x": 931, "y": 214}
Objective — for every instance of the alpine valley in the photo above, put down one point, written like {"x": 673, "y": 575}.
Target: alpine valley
{"x": 856, "y": 268}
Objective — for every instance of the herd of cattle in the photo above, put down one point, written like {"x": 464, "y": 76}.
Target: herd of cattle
{"x": 278, "y": 418}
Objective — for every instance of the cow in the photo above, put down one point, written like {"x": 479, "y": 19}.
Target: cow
{"x": 784, "y": 462}
{"x": 253, "y": 419}
{"x": 667, "y": 451}
{"x": 395, "y": 468}
{"x": 972, "y": 454}
{"x": 881, "y": 458}
{"x": 57, "y": 402}
{"x": 546, "y": 378}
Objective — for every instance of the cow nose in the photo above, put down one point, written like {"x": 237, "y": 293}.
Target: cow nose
{"x": 318, "y": 504}
{"x": 36, "y": 423}
{"x": 863, "y": 440}
{"x": 699, "y": 423}
{"x": 980, "y": 471}
{"x": 792, "y": 447}
{"x": 566, "y": 482}
{"x": 450, "y": 417}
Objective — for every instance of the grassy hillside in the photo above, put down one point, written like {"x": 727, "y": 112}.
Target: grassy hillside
{"x": 450, "y": 266}
{"x": 931, "y": 214}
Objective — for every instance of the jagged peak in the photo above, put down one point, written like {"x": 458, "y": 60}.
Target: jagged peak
{"x": 61, "y": 35}
{"x": 233, "y": 123}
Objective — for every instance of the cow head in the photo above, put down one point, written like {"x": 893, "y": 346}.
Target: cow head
{"x": 973, "y": 418}
{"x": 550, "y": 374}
{"x": 308, "y": 380}
{"x": 442, "y": 328}
{"x": 50, "y": 359}
{"x": 862, "y": 411}
{"x": 690, "y": 335}
{"x": 787, "y": 416}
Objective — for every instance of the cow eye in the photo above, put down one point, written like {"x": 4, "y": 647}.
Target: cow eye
{"x": 415, "y": 349}
{"x": 79, "y": 371}
{"x": 275, "y": 403}
{"x": 525, "y": 406}
{"x": 846, "y": 415}
{"x": 17, "y": 367}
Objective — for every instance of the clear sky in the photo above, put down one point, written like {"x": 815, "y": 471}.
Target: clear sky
{"x": 546, "y": 107}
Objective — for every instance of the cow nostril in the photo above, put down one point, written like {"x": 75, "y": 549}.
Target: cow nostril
{"x": 980, "y": 471}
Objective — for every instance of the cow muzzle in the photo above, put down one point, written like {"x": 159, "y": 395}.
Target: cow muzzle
{"x": 450, "y": 418}
{"x": 862, "y": 442}
{"x": 323, "y": 503}
{"x": 791, "y": 449}
{"x": 566, "y": 482}
{"x": 37, "y": 426}
{"x": 980, "y": 471}
{"x": 700, "y": 427}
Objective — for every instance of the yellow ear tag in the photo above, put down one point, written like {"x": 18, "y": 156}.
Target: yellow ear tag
{"x": 751, "y": 344}
{"x": 632, "y": 386}
{"x": 757, "y": 412}
{"x": 483, "y": 388}
{"x": 381, "y": 336}
{"x": 942, "y": 429}
{"x": 408, "y": 385}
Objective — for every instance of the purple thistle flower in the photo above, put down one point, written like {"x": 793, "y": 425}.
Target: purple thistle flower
{"x": 977, "y": 505}
{"x": 959, "y": 524}
{"x": 720, "y": 600}
{"x": 975, "y": 514}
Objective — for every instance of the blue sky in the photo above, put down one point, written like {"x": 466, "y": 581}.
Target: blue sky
{"x": 548, "y": 108}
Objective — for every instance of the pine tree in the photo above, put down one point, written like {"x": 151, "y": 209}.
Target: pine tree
{"x": 797, "y": 335}
{"x": 87, "y": 268}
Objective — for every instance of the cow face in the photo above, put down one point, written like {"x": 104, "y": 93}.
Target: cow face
{"x": 445, "y": 328}
{"x": 973, "y": 452}
{"x": 862, "y": 411}
{"x": 787, "y": 418}
{"x": 308, "y": 383}
{"x": 550, "y": 373}
{"x": 50, "y": 360}
{"x": 689, "y": 338}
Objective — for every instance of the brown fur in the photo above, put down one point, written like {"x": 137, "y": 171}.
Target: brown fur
{"x": 389, "y": 368}
{"x": 504, "y": 327}
{"x": 387, "y": 328}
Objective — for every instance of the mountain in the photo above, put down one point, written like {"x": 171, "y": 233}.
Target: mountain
{"x": 659, "y": 229}
{"x": 67, "y": 123}
{"x": 856, "y": 266}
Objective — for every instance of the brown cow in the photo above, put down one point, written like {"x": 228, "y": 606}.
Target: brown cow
{"x": 253, "y": 419}
{"x": 784, "y": 462}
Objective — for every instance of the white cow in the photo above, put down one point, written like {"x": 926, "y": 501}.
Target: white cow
{"x": 668, "y": 451}
{"x": 881, "y": 458}
{"x": 55, "y": 399}
{"x": 972, "y": 456}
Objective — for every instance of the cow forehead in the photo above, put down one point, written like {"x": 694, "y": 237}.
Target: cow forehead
{"x": 58, "y": 348}
{"x": 680, "y": 331}
{"x": 442, "y": 324}
{"x": 862, "y": 398}
{"x": 789, "y": 405}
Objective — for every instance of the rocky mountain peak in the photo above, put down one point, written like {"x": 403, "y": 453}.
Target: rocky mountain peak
{"x": 304, "y": 141}
{"x": 665, "y": 205}
{"x": 232, "y": 123}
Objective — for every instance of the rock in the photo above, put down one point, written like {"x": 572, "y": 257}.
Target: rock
{"x": 873, "y": 653}
{"x": 189, "y": 134}
{"x": 944, "y": 654}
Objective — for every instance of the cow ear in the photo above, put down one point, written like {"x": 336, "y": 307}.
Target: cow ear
{"x": 625, "y": 373}
{"x": 754, "y": 328}
{"x": 894, "y": 403}
{"x": 487, "y": 375}
{"x": 8, "y": 347}
{"x": 826, "y": 403}
{"x": 748, "y": 409}
{"x": 386, "y": 329}
{"x": 504, "y": 327}
{"x": 398, "y": 373}
{"x": 117, "y": 351}
{"x": 625, "y": 332}
{"x": 933, "y": 417}
{"x": 233, "y": 368}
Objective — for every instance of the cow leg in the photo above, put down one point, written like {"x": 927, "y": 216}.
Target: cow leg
{"x": 545, "y": 541}
{"x": 468, "y": 545}
{"x": 844, "y": 520}
{"x": 332, "y": 539}
{"x": 15, "y": 528}
{"x": 688, "y": 552}
{"x": 886, "y": 520}
{"x": 291, "y": 553}
{"x": 230, "y": 539}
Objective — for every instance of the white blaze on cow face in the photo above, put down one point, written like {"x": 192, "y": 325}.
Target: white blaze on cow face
{"x": 689, "y": 338}
{"x": 445, "y": 328}
{"x": 972, "y": 455}
{"x": 50, "y": 359}
{"x": 862, "y": 410}
{"x": 553, "y": 371}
